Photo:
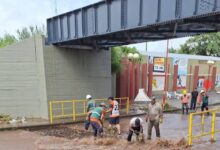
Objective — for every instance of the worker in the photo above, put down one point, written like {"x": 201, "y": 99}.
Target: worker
{"x": 135, "y": 126}
{"x": 194, "y": 95}
{"x": 90, "y": 106}
{"x": 154, "y": 117}
{"x": 203, "y": 98}
{"x": 96, "y": 119}
{"x": 184, "y": 100}
{"x": 114, "y": 115}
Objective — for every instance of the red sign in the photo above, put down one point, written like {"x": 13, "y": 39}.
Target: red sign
{"x": 207, "y": 84}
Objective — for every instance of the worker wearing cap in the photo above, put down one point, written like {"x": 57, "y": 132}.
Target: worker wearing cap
{"x": 154, "y": 117}
{"x": 135, "y": 126}
{"x": 96, "y": 119}
{"x": 185, "y": 100}
{"x": 204, "y": 100}
{"x": 90, "y": 106}
{"x": 114, "y": 114}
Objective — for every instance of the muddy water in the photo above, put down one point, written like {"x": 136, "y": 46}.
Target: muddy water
{"x": 173, "y": 133}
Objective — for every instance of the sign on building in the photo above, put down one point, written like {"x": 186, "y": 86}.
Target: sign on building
{"x": 182, "y": 71}
{"x": 159, "y": 64}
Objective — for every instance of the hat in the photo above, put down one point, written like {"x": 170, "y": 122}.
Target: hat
{"x": 137, "y": 122}
{"x": 184, "y": 92}
{"x": 202, "y": 91}
{"x": 153, "y": 97}
{"x": 102, "y": 104}
{"x": 88, "y": 97}
{"x": 110, "y": 98}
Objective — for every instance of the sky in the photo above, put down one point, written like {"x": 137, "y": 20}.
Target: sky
{"x": 16, "y": 14}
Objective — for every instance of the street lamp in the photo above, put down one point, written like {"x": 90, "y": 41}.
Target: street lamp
{"x": 133, "y": 57}
{"x": 130, "y": 56}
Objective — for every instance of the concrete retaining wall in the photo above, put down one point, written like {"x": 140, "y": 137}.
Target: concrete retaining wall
{"x": 31, "y": 74}
{"x": 72, "y": 73}
{"x": 22, "y": 79}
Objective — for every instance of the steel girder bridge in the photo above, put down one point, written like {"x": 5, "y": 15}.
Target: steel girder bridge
{"x": 110, "y": 23}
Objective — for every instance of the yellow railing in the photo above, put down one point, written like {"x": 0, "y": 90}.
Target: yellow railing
{"x": 77, "y": 108}
{"x": 202, "y": 125}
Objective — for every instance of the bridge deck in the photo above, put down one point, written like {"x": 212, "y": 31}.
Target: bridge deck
{"x": 119, "y": 22}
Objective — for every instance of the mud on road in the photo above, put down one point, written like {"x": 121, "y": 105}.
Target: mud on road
{"x": 73, "y": 137}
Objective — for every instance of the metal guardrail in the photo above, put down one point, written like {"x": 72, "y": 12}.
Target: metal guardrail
{"x": 77, "y": 108}
{"x": 202, "y": 125}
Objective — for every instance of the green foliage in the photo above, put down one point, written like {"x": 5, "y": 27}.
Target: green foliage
{"x": 118, "y": 53}
{"x": 115, "y": 60}
{"x": 25, "y": 32}
{"x": 22, "y": 34}
{"x": 5, "y": 118}
{"x": 172, "y": 50}
{"x": 205, "y": 44}
{"x": 7, "y": 40}
{"x": 166, "y": 106}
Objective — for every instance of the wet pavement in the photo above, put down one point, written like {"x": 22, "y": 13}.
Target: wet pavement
{"x": 174, "y": 130}
{"x": 214, "y": 98}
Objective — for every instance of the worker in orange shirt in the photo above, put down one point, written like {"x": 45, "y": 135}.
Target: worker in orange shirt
{"x": 185, "y": 100}
{"x": 114, "y": 114}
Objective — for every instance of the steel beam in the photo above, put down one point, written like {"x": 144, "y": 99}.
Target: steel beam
{"x": 132, "y": 21}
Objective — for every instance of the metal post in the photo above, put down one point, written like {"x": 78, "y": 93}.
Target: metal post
{"x": 165, "y": 80}
{"x": 190, "y": 129}
{"x": 213, "y": 126}
{"x": 62, "y": 109}
{"x": 51, "y": 113}
{"x": 127, "y": 108}
{"x": 203, "y": 122}
{"x": 84, "y": 107}
{"x": 74, "y": 111}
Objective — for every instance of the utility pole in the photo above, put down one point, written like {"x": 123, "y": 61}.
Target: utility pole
{"x": 165, "y": 79}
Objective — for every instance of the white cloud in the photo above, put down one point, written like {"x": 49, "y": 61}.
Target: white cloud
{"x": 160, "y": 46}
{"x": 16, "y": 14}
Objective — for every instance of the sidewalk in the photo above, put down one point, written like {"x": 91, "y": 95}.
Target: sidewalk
{"x": 214, "y": 98}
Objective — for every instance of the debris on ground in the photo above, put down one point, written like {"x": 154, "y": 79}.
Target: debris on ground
{"x": 5, "y": 118}
{"x": 61, "y": 131}
{"x": 169, "y": 144}
{"x": 81, "y": 138}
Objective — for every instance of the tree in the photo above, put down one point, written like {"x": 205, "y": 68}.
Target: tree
{"x": 117, "y": 53}
{"x": 205, "y": 44}
{"x": 7, "y": 40}
{"x": 172, "y": 50}
{"x": 25, "y": 32}
{"x": 22, "y": 34}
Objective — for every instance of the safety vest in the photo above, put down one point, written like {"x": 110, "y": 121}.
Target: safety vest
{"x": 185, "y": 99}
{"x": 115, "y": 109}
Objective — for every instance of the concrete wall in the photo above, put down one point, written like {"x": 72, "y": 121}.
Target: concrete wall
{"x": 72, "y": 73}
{"x": 22, "y": 79}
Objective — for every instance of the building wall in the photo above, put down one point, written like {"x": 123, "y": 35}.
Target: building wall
{"x": 72, "y": 73}
{"x": 203, "y": 69}
{"x": 22, "y": 79}
{"x": 192, "y": 62}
